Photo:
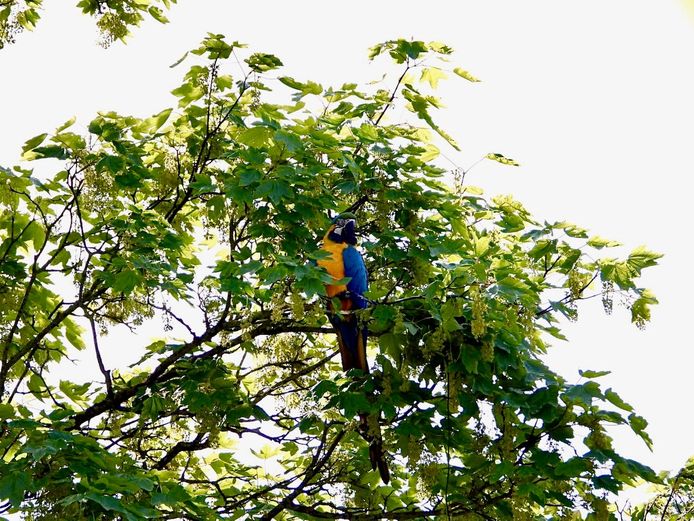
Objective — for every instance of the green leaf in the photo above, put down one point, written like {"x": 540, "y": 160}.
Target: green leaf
{"x": 440, "y": 48}
{"x": 432, "y": 75}
{"x": 292, "y": 83}
{"x": 607, "y": 482}
{"x": 126, "y": 281}
{"x": 224, "y": 81}
{"x": 73, "y": 391}
{"x": 112, "y": 164}
{"x": 250, "y": 267}
{"x": 37, "y": 234}
{"x": 391, "y": 344}
{"x": 618, "y": 272}
{"x": 600, "y": 242}
{"x": 259, "y": 413}
{"x": 641, "y": 307}
{"x": 49, "y": 151}
{"x": 402, "y": 50}
{"x": 153, "y": 406}
{"x": 261, "y": 62}
{"x": 430, "y": 153}
{"x": 158, "y": 15}
{"x": 74, "y": 335}
{"x": 638, "y": 424}
{"x": 290, "y": 141}
{"x": 353, "y": 404}
{"x": 188, "y": 93}
{"x": 573, "y": 467}
{"x": 33, "y": 142}
{"x": 305, "y": 88}
{"x": 482, "y": 244}
{"x": 274, "y": 189}
{"x": 171, "y": 495}
{"x": 642, "y": 258}
{"x": 542, "y": 248}
{"x": 311, "y": 286}
{"x": 593, "y": 374}
{"x": 248, "y": 177}
{"x": 420, "y": 105}
{"x": 70, "y": 140}
{"x": 154, "y": 123}
{"x": 642, "y": 471}
{"x": 28, "y": 18}
{"x": 36, "y": 385}
{"x": 572, "y": 230}
{"x": 215, "y": 47}
{"x": 257, "y": 137}
{"x": 179, "y": 61}
{"x": 324, "y": 386}
{"x": 106, "y": 502}
{"x": 502, "y": 159}
{"x": 582, "y": 394}
{"x": 6, "y": 411}
{"x": 13, "y": 486}
{"x": 615, "y": 399}
{"x": 273, "y": 274}
{"x": 465, "y": 74}
{"x": 66, "y": 125}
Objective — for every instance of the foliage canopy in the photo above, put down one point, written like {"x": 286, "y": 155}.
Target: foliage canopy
{"x": 207, "y": 216}
{"x": 114, "y": 18}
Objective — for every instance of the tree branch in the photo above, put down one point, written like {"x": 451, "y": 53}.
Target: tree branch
{"x": 314, "y": 467}
{"x": 197, "y": 443}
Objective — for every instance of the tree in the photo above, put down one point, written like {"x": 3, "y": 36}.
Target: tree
{"x": 115, "y": 18}
{"x": 208, "y": 217}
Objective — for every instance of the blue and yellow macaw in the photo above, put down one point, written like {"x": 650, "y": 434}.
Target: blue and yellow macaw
{"x": 346, "y": 261}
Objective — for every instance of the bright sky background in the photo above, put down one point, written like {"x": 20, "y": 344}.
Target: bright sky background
{"x": 594, "y": 98}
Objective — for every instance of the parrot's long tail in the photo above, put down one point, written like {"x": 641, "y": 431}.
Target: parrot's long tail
{"x": 371, "y": 431}
{"x": 351, "y": 339}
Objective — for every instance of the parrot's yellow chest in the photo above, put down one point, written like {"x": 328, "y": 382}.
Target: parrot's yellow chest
{"x": 334, "y": 265}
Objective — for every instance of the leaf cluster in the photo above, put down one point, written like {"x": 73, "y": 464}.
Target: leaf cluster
{"x": 114, "y": 18}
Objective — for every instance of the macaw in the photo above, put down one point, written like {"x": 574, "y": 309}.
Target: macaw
{"x": 346, "y": 261}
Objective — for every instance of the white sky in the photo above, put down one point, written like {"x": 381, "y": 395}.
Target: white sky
{"x": 593, "y": 98}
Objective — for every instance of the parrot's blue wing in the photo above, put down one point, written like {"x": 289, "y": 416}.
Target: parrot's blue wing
{"x": 351, "y": 335}
{"x": 356, "y": 270}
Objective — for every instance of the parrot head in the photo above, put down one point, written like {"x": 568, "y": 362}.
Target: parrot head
{"x": 343, "y": 228}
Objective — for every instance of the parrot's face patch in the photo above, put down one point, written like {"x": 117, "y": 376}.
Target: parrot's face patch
{"x": 341, "y": 224}
{"x": 344, "y": 229}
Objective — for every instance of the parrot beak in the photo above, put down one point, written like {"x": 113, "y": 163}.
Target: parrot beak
{"x": 349, "y": 232}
